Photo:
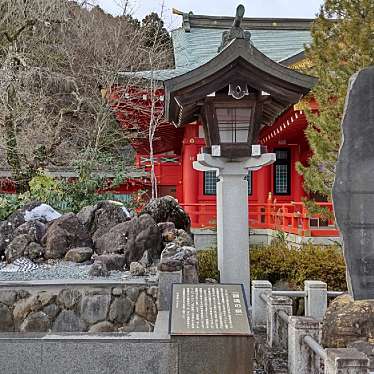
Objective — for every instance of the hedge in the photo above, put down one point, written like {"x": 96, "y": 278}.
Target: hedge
{"x": 277, "y": 262}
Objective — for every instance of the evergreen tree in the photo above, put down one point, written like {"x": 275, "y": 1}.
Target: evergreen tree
{"x": 343, "y": 43}
{"x": 155, "y": 32}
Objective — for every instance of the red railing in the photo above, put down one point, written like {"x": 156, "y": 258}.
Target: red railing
{"x": 292, "y": 218}
{"x": 145, "y": 161}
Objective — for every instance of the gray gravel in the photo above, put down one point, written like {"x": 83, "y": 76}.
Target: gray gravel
{"x": 60, "y": 270}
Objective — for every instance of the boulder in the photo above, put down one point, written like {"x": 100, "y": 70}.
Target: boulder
{"x": 174, "y": 258}
{"x": 6, "y": 319}
{"x": 8, "y": 297}
{"x": 145, "y": 261}
{"x": 132, "y": 293}
{"x": 121, "y": 310}
{"x": 34, "y": 229}
{"x": 34, "y": 251}
{"x": 146, "y": 307}
{"x": 167, "y": 209}
{"x": 17, "y": 247}
{"x": 137, "y": 324}
{"x": 63, "y": 234}
{"x": 183, "y": 238}
{"x": 100, "y": 218}
{"x": 98, "y": 269}
{"x": 6, "y": 232}
{"x": 112, "y": 261}
{"x": 7, "y": 228}
{"x": 170, "y": 264}
{"x": 51, "y": 311}
{"x": 347, "y": 321}
{"x": 152, "y": 291}
{"x": 36, "y": 322}
{"x": 17, "y": 218}
{"x": 25, "y": 306}
{"x": 178, "y": 236}
{"x": 68, "y": 321}
{"x": 166, "y": 227}
{"x": 132, "y": 238}
{"x": 78, "y": 255}
{"x": 68, "y": 298}
{"x": 117, "y": 291}
{"x": 25, "y": 241}
{"x": 137, "y": 269}
{"x": 94, "y": 308}
{"x": 104, "y": 326}
{"x": 46, "y": 297}
{"x": 170, "y": 250}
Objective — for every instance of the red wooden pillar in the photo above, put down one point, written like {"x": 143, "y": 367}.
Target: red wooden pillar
{"x": 296, "y": 178}
{"x": 260, "y": 192}
{"x": 190, "y": 176}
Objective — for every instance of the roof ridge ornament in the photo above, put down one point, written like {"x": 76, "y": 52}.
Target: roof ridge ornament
{"x": 236, "y": 31}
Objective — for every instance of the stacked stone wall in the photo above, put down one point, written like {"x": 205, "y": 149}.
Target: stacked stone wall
{"x": 78, "y": 309}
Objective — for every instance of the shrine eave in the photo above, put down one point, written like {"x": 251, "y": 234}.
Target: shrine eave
{"x": 239, "y": 60}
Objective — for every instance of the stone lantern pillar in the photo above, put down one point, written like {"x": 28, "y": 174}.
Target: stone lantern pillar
{"x": 232, "y": 213}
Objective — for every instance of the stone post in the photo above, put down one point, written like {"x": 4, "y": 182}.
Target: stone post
{"x": 259, "y": 288}
{"x": 165, "y": 282}
{"x": 276, "y": 328}
{"x": 232, "y": 213}
{"x": 301, "y": 359}
{"x": 346, "y": 361}
{"x": 315, "y": 299}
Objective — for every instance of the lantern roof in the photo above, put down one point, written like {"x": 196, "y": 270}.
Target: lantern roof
{"x": 237, "y": 60}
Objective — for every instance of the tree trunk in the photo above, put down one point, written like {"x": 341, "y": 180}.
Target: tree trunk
{"x": 11, "y": 147}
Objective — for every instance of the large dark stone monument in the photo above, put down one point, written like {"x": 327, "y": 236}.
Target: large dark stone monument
{"x": 353, "y": 191}
{"x": 210, "y": 324}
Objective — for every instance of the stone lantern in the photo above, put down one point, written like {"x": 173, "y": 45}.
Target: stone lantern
{"x": 234, "y": 95}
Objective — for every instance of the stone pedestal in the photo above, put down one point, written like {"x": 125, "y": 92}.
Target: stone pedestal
{"x": 232, "y": 213}
{"x": 346, "y": 361}
{"x": 316, "y": 299}
{"x": 259, "y": 317}
{"x": 301, "y": 359}
{"x": 276, "y": 327}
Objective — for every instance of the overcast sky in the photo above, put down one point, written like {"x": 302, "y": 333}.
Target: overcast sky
{"x": 254, "y": 8}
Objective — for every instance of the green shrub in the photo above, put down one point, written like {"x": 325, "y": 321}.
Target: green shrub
{"x": 8, "y": 204}
{"x": 89, "y": 187}
{"x": 208, "y": 266}
{"x": 278, "y": 262}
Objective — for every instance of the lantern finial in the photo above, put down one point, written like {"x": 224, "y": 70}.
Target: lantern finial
{"x": 236, "y": 32}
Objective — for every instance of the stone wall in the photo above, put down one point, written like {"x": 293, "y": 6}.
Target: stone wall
{"x": 106, "y": 308}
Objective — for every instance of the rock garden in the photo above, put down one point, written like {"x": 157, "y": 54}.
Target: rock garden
{"x": 93, "y": 271}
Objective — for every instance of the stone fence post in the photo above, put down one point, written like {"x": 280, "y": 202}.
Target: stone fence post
{"x": 259, "y": 287}
{"x": 276, "y": 327}
{"x": 315, "y": 299}
{"x": 346, "y": 361}
{"x": 301, "y": 359}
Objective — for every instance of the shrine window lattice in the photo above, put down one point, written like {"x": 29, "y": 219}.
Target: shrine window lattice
{"x": 210, "y": 183}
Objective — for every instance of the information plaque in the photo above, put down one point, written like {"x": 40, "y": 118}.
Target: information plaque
{"x": 208, "y": 309}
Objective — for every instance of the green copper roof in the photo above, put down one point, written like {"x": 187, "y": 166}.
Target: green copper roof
{"x": 200, "y": 45}
{"x": 197, "y": 41}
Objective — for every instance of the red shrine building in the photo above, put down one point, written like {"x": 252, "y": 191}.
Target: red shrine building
{"x": 275, "y": 192}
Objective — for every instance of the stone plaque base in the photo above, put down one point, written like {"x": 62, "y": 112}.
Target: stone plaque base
{"x": 210, "y": 324}
{"x": 215, "y": 354}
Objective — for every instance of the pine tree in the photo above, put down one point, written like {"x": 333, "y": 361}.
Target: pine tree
{"x": 343, "y": 43}
{"x": 155, "y": 31}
